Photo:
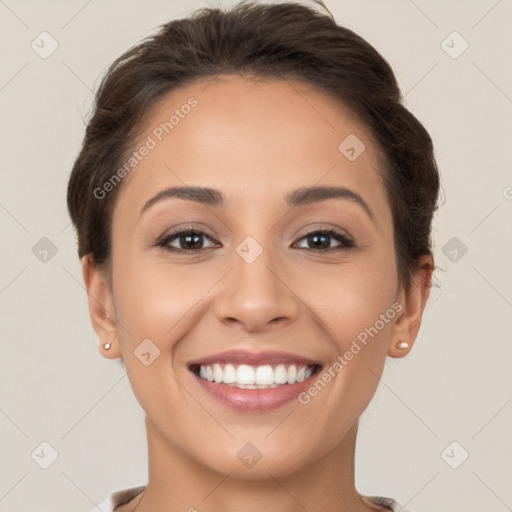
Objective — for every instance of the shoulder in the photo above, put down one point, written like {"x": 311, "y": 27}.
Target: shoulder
{"x": 117, "y": 498}
{"x": 390, "y": 503}
{"x": 121, "y": 496}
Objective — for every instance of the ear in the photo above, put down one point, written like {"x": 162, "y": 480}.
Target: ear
{"x": 101, "y": 307}
{"x": 407, "y": 324}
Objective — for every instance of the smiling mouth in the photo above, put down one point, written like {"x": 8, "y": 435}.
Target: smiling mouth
{"x": 245, "y": 376}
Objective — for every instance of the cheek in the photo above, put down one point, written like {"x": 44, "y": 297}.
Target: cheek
{"x": 350, "y": 297}
{"x": 152, "y": 303}
{"x": 156, "y": 300}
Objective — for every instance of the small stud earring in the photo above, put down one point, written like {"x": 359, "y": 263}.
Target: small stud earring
{"x": 401, "y": 345}
{"x": 106, "y": 346}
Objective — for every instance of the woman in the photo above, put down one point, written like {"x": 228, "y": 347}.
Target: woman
{"x": 253, "y": 207}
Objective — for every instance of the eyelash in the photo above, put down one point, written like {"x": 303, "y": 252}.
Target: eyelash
{"x": 340, "y": 237}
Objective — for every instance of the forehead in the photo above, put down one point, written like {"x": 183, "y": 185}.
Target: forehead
{"x": 252, "y": 139}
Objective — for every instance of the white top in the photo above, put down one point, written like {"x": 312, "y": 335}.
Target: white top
{"x": 122, "y": 496}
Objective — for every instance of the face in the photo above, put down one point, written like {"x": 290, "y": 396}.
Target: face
{"x": 302, "y": 280}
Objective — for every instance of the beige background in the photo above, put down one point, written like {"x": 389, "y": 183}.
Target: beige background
{"x": 456, "y": 385}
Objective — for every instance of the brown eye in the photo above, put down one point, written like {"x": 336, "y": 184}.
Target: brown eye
{"x": 192, "y": 240}
{"x": 189, "y": 240}
{"x": 320, "y": 240}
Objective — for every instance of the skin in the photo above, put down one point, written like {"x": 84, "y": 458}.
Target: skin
{"x": 253, "y": 141}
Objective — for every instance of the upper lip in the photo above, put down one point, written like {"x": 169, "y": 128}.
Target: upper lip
{"x": 253, "y": 358}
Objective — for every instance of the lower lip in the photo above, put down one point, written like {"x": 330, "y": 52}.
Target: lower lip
{"x": 255, "y": 399}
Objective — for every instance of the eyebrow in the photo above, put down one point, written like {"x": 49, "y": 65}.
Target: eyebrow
{"x": 299, "y": 197}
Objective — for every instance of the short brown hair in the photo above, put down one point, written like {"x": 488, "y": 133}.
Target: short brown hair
{"x": 286, "y": 40}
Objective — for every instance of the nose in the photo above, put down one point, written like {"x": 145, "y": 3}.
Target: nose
{"x": 257, "y": 295}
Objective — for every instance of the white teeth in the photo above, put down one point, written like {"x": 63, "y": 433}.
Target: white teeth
{"x": 245, "y": 374}
{"x": 260, "y": 377}
{"x": 264, "y": 375}
{"x": 292, "y": 374}
{"x": 229, "y": 374}
{"x": 280, "y": 374}
{"x": 217, "y": 373}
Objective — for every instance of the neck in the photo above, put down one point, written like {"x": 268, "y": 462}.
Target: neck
{"x": 177, "y": 482}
